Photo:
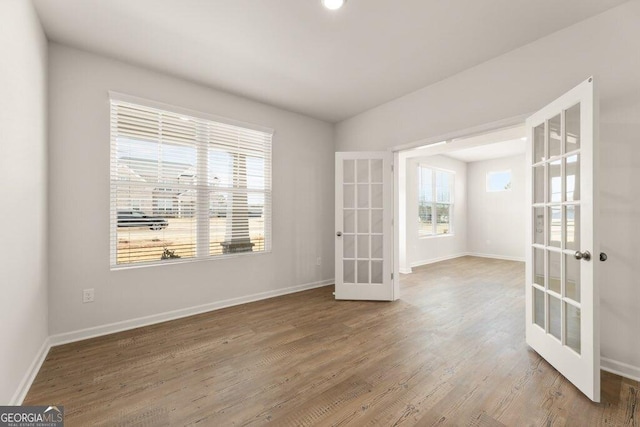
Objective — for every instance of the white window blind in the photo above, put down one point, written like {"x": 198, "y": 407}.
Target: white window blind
{"x": 185, "y": 187}
{"x": 435, "y": 201}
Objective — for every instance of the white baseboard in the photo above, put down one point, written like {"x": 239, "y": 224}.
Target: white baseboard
{"x": 405, "y": 270}
{"x": 30, "y": 375}
{"x": 619, "y": 368}
{"x": 125, "y": 325}
{"x": 502, "y": 257}
{"x": 434, "y": 260}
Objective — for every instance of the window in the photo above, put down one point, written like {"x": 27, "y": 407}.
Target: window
{"x": 499, "y": 181}
{"x": 184, "y": 186}
{"x": 435, "y": 201}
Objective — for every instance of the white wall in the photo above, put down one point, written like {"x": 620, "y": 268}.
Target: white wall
{"x": 303, "y": 177}
{"x": 523, "y": 81}
{"x": 496, "y": 221}
{"x": 424, "y": 250}
{"x": 23, "y": 196}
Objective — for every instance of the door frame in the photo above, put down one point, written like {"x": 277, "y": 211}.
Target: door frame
{"x": 399, "y": 170}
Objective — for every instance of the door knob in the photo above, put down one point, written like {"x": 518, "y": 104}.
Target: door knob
{"x": 586, "y": 255}
{"x": 339, "y": 233}
{"x": 603, "y": 256}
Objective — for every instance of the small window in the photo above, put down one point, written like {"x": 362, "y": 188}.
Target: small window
{"x": 499, "y": 181}
{"x": 435, "y": 202}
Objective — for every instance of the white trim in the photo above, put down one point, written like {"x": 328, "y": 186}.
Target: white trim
{"x": 30, "y": 375}
{"x": 490, "y": 127}
{"x": 97, "y": 331}
{"x": 405, "y": 270}
{"x": 619, "y": 368}
{"x": 434, "y": 260}
{"x": 502, "y": 257}
{"x": 123, "y": 97}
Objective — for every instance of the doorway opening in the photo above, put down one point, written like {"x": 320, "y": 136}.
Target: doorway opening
{"x": 462, "y": 197}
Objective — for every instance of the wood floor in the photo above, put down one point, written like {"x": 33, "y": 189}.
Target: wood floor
{"x": 450, "y": 352}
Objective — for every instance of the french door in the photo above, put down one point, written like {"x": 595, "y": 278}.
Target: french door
{"x": 364, "y": 228}
{"x": 562, "y": 299}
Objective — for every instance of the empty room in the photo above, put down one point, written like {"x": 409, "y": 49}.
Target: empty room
{"x": 320, "y": 212}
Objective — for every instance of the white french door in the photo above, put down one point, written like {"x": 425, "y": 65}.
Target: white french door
{"x": 364, "y": 228}
{"x": 562, "y": 297}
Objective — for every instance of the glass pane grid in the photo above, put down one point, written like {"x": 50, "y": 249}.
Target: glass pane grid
{"x": 362, "y": 226}
{"x": 555, "y": 228}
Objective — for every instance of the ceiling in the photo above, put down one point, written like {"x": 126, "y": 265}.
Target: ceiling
{"x": 494, "y": 144}
{"x": 296, "y": 55}
{"x": 490, "y": 151}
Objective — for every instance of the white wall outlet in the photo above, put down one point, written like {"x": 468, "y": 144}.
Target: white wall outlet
{"x": 87, "y": 295}
{"x": 319, "y": 261}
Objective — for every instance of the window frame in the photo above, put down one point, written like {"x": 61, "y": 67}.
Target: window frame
{"x": 201, "y": 187}
{"x": 434, "y": 202}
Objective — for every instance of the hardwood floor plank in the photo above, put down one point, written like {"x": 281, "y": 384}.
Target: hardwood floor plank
{"x": 451, "y": 351}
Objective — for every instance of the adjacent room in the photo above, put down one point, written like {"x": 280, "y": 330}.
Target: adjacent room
{"x": 463, "y": 197}
{"x": 320, "y": 212}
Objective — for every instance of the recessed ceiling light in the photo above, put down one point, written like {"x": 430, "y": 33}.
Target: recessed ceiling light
{"x": 333, "y": 4}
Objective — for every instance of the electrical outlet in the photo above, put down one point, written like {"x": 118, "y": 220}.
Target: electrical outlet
{"x": 87, "y": 295}
{"x": 318, "y": 261}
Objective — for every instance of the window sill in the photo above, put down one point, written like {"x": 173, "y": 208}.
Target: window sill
{"x": 435, "y": 236}
{"x": 185, "y": 261}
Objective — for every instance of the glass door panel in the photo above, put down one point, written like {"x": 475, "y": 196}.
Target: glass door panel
{"x": 572, "y": 278}
{"x": 555, "y": 317}
{"x": 538, "y": 216}
{"x": 555, "y": 226}
{"x": 538, "y": 173}
{"x": 573, "y": 327}
{"x": 555, "y": 181}
{"x": 538, "y": 144}
{"x": 538, "y": 308}
{"x": 572, "y": 128}
{"x": 572, "y": 227}
{"x": 555, "y": 141}
{"x": 572, "y": 184}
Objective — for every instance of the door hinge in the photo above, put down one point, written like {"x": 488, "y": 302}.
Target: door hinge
{"x": 391, "y": 168}
{"x": 391, "y": 276}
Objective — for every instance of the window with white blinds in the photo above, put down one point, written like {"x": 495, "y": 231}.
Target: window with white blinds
{"x": 186, "y": 187}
